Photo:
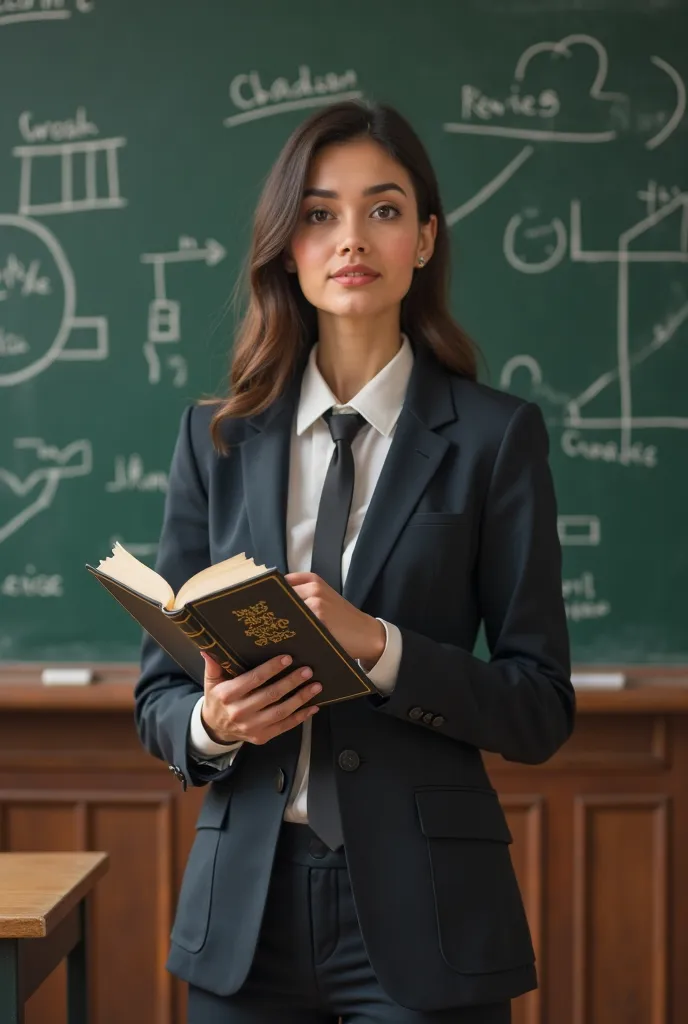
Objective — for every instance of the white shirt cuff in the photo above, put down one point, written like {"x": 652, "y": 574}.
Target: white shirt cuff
{"x": 200, "y": 744}
{"x": 383, "y": 674}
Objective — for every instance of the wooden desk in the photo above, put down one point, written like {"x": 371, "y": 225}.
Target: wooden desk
{"x": 43, "y": 920}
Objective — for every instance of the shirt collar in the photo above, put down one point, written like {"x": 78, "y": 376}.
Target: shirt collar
{"x": 379, "y": 401}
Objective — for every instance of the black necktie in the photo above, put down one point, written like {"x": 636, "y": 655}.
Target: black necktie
{"x": 326, "y": 561}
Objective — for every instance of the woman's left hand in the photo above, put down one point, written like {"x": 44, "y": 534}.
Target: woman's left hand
{"x": 361, "y": 635}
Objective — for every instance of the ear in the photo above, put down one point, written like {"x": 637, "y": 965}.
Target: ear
{"x": 426, "y": 237}
{"x": 289, "y": 264}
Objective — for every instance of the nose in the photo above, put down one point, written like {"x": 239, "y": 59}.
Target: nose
{"x": 352, "y": 241}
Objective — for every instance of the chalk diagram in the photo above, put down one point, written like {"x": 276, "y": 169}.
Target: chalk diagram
{"x": 557, "y": 240}
{"x": 39, "y": 324}
{"x": 97, "y": 160}
{"x": 40, "y": 485}
{"x": 34, "y": 268}
{"x": 164, "y": 314}
{"x": 626, "y": 361}
{"x": 36, "y": 276}
{"x": 564, "y": 48}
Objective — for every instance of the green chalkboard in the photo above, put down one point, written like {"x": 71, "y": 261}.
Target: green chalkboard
{"x": 133, "y": 142}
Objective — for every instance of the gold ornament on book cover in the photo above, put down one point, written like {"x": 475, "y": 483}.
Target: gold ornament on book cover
{"x": 263, "y": 624}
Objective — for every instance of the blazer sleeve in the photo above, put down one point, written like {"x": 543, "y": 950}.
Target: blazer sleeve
{"x": 521, "y": 703}
{"x": 164, "y": 695}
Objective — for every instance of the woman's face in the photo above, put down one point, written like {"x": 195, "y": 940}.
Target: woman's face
{"x": 359, "y": 207}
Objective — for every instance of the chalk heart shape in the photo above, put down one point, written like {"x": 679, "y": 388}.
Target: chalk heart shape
{"x": 21, "y": 499}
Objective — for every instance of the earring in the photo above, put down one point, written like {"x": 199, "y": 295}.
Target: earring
{"x": 421, "y": 261}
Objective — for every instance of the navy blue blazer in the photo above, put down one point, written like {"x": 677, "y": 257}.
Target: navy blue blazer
{"x": 461, "y": 529}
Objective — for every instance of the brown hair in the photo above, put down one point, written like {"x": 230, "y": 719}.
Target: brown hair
{"x": 279, "y": 323}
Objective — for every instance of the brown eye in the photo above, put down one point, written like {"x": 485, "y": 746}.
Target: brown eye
{"x": 388, "y": 207}
{"x": 312, "y": 213}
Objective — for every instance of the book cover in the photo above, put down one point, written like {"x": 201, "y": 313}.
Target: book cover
{"x": 243, "y": 625}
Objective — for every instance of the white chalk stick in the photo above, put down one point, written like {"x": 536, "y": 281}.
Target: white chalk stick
{"x": 67, "y": 676}
{"x": 598, "y": 680}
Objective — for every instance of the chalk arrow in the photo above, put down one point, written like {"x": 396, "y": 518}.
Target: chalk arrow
{"x": 212, "y": 254}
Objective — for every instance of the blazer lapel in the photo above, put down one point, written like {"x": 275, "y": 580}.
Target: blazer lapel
{"x": 265, "y": 469}
{"x": 413, "y": 458}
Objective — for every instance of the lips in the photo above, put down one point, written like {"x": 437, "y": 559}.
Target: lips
{"x": 356, "y": 270}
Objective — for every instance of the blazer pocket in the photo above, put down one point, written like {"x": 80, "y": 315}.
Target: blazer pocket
{"x": 192, "y": 917}
{"x": 436, "y": 518}
{"x": 480, "y": 916}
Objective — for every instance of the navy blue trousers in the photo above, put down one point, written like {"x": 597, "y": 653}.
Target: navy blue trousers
{"x": 310, "y": 965}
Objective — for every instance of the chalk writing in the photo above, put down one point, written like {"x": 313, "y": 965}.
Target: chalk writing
{"x": 31, "y": 583}
{"x": 475, "y": 103}
{"x": 12, "y": 344}
{"x": 580, "y": 599}
{"x": 130, "y": 475}
{"x": 636, "y": 453}
{"x": 16, "y": 276}
{"x": 78, "y": 127}
{"x": 248, "y": 94}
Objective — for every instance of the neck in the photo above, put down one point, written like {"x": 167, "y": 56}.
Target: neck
{"x": 353, "y": 351}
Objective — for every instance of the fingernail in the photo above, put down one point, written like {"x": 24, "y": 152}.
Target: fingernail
{"x": 286, "y": 660}
{"x": 306, "y": 673}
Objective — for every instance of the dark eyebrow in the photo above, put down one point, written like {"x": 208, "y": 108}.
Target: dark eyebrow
{"x": 372, "y": 190}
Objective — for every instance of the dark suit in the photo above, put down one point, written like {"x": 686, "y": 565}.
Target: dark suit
{"x": 462, "y": 526}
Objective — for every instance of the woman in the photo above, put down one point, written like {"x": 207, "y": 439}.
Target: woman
{"x": 354, "y": 861}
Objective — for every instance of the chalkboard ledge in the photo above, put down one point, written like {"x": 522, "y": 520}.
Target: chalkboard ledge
{"x": 650, "y": 689}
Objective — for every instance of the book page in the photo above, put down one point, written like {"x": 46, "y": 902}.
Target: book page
{"x": 125, "y": 568}
{"x": 217, "y": 577}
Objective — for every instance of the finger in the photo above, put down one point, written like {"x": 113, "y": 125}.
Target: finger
{"x": 254, "y": 717}
{"x": 295, "y": 578}
{"x": 269, "y": 693}
{"x": 275, "y": 692}
{"x": 297, "y": 718}
{"x": 275, "y": 713}
{"x": 308, "y": 589}
{"x": 256, "y": 677}
{"x": 214, "y": 673}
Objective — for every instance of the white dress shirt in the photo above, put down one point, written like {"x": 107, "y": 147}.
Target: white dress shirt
{"x": 379, "y": 402}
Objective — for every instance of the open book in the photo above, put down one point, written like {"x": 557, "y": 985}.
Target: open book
{"x": 241, "y": 613}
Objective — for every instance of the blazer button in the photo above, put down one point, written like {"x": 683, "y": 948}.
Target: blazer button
{"x": 428, "y": 717}
{"x": 280, "y": 779}
{"x": 415, "y": 714}
{"x": 178, "y": 774}
{"x": 349, "y": 760}
{"x": 438, "y": 720}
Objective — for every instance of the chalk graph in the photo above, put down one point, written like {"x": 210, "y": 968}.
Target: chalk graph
{"x": 560, "y": 240}
{"x": 99, "y": 158}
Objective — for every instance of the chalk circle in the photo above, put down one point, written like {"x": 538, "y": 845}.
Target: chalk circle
{"x": 53, "y": 317}
{"x": 535, "y": 266}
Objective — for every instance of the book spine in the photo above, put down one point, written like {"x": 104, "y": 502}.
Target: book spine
{"x": 196, "y": 631}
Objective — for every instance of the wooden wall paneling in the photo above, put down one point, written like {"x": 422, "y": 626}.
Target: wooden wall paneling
{"x": 525, "y": 815}
{"x": 621, "y": 893}
{"x": 678, "y": 902}
{"x": 131, "y": 911}
{"x": 607, "y": 744}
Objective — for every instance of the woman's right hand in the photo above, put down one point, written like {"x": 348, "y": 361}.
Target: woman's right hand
{"x": 243, "y": 708}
